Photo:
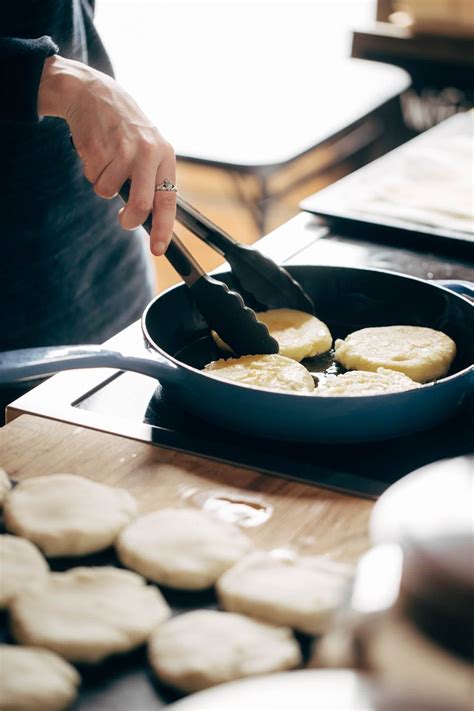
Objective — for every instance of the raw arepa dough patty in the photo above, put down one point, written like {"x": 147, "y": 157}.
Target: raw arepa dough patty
{"x": 364, "y": 382}
{"x": 38, "y": 679}
{"x": 21, "y": 564}
{"x": 206, "y": 647}
{"x": 299, "y": 335}
{"x": 421, "y": 353}
{"x": 86, "y": 614}
{"x": 273, "y": 372}
{"x": 182, "y": 548}
{"x": 299, "y": 591}
{"x": 66, "y": 514}
{"x": 5, "y": 485}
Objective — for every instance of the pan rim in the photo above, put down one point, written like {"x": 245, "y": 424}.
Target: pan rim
{"x": 272, "y": 392}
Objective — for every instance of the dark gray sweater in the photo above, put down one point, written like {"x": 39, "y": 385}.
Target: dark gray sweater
{"x": 69, "y": 273}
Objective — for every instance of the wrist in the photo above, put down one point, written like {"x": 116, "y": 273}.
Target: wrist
{"x": 61, "y": 81}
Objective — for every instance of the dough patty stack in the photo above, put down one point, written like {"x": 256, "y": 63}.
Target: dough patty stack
{"x": 82, "y": 615}
{"x": 86, "y": 614}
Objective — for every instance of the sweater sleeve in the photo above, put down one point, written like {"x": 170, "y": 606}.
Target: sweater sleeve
{"x": 21, "y": 65}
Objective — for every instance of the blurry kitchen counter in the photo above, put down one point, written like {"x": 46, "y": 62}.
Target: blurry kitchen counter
{"x": 306, "y": 239}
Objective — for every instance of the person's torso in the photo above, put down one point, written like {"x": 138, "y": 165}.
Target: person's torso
{"x": 70, "y": 273}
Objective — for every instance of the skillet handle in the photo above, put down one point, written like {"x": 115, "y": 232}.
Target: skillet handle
{"x": 31, "y": 363}
{"x": 465, "y": 288}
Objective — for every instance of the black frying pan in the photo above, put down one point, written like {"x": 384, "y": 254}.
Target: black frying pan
{"x": 346, "y": 299}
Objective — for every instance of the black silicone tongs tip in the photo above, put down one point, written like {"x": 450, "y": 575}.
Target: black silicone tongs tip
{"x": 224, "y": 310}
{"x": 235, "y": 323}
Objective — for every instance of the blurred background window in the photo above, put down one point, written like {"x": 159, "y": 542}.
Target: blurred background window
{"x": 231, "y": 84}
{"x": 263, "y": 102}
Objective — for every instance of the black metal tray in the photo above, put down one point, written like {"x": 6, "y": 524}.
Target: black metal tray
{"x": 337, "y": 204}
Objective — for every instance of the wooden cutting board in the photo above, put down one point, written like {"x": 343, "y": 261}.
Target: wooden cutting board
{"x": 310, "y": 519}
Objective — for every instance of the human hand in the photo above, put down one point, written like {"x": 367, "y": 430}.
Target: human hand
{"x": 115, "y": 141}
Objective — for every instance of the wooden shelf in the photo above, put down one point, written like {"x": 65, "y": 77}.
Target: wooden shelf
{"x": 386, "y": 42}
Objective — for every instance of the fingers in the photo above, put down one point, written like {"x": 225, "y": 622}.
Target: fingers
{"x": 152, "y": 164}
{"x": 125, "y": 145}
{"x": 142, "y": 189}
{"x": 116, "y": 141}
{"x": 109, "y": 182}
{"x": 164, "y": 205}
{"x": 94, "y": 162}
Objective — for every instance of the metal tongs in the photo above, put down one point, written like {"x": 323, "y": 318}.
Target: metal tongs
{"x": 267, "y": 284}
{"x": 224, "y": 310}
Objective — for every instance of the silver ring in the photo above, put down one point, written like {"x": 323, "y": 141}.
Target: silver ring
{"x": 166, "y": 186}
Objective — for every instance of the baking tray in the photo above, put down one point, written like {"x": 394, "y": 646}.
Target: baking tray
{"x": 355, "y": 204}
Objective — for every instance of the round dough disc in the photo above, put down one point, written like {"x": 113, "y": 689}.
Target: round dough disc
{"x": 421, "y": 353}
{"x": 364, "y": 382}
{"x": 299, "y": 591}
{"x": 207, "y": 647}
{"x": 86, "y": 614}
{"x": 182, "y": 548}
{"x": 299, "y": 335}
{"x": 32, "y": 678}
{"x": 273, "y": 372}
{"x": 5, "y": 485}
{"x": 68, "y": 515}
{"x": 21, "y": 564}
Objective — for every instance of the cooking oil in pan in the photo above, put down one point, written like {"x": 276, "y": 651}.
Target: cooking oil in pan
{"x": 323, "y": 365}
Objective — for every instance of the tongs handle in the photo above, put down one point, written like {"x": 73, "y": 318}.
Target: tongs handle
{"x": 264, "y": 284}
{"x": 203, "y": 227}
{"x": 223, "y": 310}
{"x": 177, "y": 253}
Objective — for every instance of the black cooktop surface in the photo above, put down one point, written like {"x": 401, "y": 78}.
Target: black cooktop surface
{"x": 366, "y": 469}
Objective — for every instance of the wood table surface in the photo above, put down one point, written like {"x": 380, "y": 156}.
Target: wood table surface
{"x": 309, "y": 519}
